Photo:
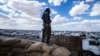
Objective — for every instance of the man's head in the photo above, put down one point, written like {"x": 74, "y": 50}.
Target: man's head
{"x": 48, "y": 10}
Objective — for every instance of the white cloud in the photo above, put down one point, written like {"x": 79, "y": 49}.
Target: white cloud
{"x": 43, "y": 3}
{"x": 95, "y": 9}
{"x": 90, "y": 25}
{"x": 6, "y": 1}
{"x": 27, "y": 18}
{"x": 6, "y": 9}
{"x": 50, "y": 1}
{"x": 53, "y": 11}
{"x": 3, "y": 1}
{"x": 89, "y": 0}
{"x": 21, "y": 22}
{"x": 4, "y": 16}
{"x": 31, "y": 8}
{"x": 79, "y": 9}
{"x": 56, "y": 2}
{"x": 85, "y": 25}
{"x": 65, "y": 0}
{"x": 59, "y": 20}
{"x": 77, "y": 18}
{"x": 76, "y": 2}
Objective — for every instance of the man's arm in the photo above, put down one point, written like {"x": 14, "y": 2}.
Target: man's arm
{"x": 46, "y": 19}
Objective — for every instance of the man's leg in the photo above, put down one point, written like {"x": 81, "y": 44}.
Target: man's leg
{"x": 43, "y": 34}
{"x": 48, "y": 34}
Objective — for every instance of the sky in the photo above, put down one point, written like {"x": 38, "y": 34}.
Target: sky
{"x": 66, "y": 15}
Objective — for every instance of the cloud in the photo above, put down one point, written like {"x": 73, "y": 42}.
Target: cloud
{"x": 24, "y": 19}
{"x": 84, "y": 25}
{"x": 3, "y": 16}
{"x": 79, "y": 9}
{"x": 31, "y": 8}
{"x": 21, "y": 22}
{"x": 6, "y": 8}
{"x": 2, "y": 1}
{"x": 95, "y": 9}
{"x": 11, "y": 0}
{"x": 56, "y": 2}
{"x": 28, "y": 17}
{"x": 76, "y": 2}
{"x": 53, "y": 11}
{"x": 90, "y": 25}
{"x": 58, "y": 19}
{"x": 77, "y": 18}
{"x": 89, "y": 0}
{"x": 22, "y": 15}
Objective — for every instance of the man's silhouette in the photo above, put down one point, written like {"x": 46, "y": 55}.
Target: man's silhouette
{"x": 46, "y": 26}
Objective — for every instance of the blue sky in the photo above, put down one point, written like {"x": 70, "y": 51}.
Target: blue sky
{"x": 71, "y": 15}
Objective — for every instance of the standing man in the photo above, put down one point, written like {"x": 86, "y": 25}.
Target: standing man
{"x": 46, "y": 26}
